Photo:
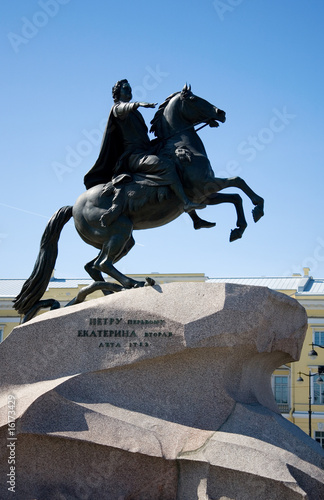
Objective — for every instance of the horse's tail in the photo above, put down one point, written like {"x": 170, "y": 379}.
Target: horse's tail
{"x": 35, "y": 286}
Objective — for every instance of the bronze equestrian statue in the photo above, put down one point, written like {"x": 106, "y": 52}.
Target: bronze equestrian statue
{"x": 139, "y": 184}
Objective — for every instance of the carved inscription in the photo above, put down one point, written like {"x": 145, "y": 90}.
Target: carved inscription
{"x": 119, "y": 333}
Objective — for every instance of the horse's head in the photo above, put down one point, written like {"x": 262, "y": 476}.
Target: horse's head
{"x": 197, "y": 110}
{"x": 183, "y": 109}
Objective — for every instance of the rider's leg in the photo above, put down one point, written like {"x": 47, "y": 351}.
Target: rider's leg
{"x": 163, "y": 169}
{"x": 188, "y": 205}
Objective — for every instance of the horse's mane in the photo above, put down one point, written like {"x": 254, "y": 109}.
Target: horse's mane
{"x": 156, "y": 125}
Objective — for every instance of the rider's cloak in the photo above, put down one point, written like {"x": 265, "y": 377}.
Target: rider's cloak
{"x": 126, "y": 148}
{"x": 110, "y": 152}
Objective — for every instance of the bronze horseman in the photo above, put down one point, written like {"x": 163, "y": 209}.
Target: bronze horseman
{"x": 138, "y": 184}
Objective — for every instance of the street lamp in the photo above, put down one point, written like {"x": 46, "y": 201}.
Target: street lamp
{"x": 312, "y": 353}
{"x": 319, "y": 381}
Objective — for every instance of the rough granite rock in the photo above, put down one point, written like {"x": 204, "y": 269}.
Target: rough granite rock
{"x": 157, "y": 393}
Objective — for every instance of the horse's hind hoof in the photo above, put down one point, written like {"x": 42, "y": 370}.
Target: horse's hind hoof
{"x": 139, "y": 284}
{"x": 236, "y": 234}
{"x": 257, "y": 212}
{"x": 149, "y": 281}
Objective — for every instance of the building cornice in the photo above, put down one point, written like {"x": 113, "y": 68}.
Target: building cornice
{"x": 310, "y": 302}
{"x": 315, "y": 321}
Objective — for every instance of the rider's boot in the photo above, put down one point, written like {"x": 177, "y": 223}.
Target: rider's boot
{"x": 199, "y": 223}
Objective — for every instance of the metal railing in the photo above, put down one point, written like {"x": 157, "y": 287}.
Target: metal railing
{"x": 283, "y": 407}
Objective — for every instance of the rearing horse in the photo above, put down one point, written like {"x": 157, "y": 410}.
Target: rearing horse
{"x": 143, "y": 206}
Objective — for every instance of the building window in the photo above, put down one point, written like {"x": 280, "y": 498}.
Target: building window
{"x": 1, "y": 334}
{"x": 318, "y": 390}
{"x": 319, "y": 437}
{"x": 319, "y": 338}
{"x": 280, "y": 390}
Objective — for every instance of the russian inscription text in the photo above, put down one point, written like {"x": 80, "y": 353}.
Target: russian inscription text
{"x": 141, "y": 334}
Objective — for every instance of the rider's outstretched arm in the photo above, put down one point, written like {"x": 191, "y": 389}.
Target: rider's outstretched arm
{"x": 122, "y": 109}
{"x": 146, "y": 104}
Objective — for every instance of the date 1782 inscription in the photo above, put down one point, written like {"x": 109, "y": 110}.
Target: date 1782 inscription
{"x": 121, "y": 333}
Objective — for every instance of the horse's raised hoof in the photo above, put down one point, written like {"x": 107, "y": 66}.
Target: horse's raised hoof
{"x": 149, "y": 281}
{"x": 257, "y": 212}
{"x": 236, "y": 234}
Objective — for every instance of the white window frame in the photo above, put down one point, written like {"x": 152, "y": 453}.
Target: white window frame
{"x": 317, "y": 329}
{"x": 274, "y": 385}
{"x": 313, "y": 402}
{"x": 320, "y": 436}
{"x": 288, "y": 375}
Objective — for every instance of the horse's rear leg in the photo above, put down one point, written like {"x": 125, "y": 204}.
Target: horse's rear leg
{"x": 119, "y": 242}
{"x": 129, "y": 245}
{"x": 217, "y": 198}
{"x": 95, "y": 274}
{"x": 105, "y": 263}
{"x": 239, "y": 183}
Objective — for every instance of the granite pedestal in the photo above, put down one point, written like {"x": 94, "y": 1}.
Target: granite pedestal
{"x": 158, "y": 393}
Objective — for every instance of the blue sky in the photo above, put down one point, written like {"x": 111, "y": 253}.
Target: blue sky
{"x": 260, "y": 61}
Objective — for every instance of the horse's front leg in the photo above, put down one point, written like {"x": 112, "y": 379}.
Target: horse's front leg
{"x": 239, "y": 183}
{"x": 217, "y": 198}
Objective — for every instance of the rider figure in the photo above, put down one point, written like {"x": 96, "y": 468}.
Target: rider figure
{"x": 126, "y": 148}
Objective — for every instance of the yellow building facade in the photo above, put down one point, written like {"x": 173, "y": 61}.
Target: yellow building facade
{"x": 295, "y": 386}
{"x": 301, "y": 402}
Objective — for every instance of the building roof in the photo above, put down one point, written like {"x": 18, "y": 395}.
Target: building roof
{"x": 305, "y": 285}
{"x": 11, "y": 287}
{"x": 300, "y": 284}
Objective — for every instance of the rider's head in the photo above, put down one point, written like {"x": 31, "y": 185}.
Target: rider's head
{"x": 122, "y": 87}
